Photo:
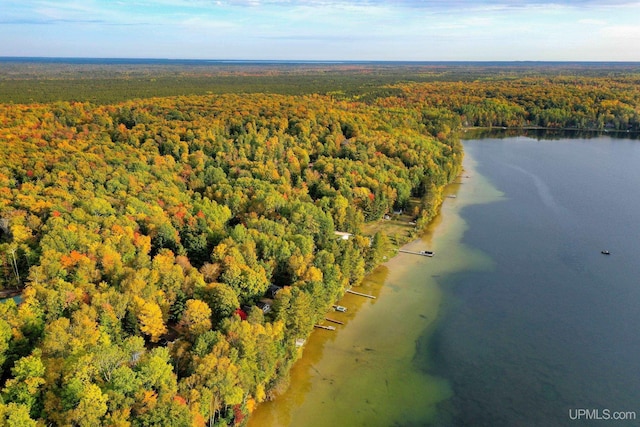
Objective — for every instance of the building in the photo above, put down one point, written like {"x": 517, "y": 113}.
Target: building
{"x": 264, "y": 305}
{"x": 343, "y": 235}
{"x": 273, "y": 291}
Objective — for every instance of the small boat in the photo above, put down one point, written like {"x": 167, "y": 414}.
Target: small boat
{"x": 605, "y": 252}
{"x": 340, "y": 308}
{"x": 452, "y": 196}
{"x": 427, "y": 253}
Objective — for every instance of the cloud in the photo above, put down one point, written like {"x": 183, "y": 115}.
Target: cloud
{"x": 622, "y": 32}
{"x": 593, "y": 22}
{"x": 36, "y": 21}
{"x": 416, "y": 4}
{"x": 205, "y": 24}
{"x": 376, "y": 29}
{"x": 453, "y": 5}
{"x": 317, "y": 37}
{"x": 86, "y": 10}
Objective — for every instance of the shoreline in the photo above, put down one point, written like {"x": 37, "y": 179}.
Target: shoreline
{"x": 546, "y": 128}
{"x": 6, "y": 295}
{"x": 393, "y": 384}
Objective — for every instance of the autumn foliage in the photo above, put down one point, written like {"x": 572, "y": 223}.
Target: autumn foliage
{"x": 137, "y": 232}
{"x": 143, "y": 234}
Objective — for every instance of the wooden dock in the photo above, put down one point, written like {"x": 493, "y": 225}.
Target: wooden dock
{"x": 328, "y": 328}
{"x": 334, "y": 321}
{"x": 422, "y": 253}
{"x": 360, "y": 294}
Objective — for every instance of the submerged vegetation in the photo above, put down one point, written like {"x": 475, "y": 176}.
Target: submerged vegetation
{"x": 173, "y": 252}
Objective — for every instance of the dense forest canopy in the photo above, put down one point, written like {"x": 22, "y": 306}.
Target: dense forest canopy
{"x": 487, "y": 94}
{"x": 173, "y": 252}
{"x": 168, "y": 220}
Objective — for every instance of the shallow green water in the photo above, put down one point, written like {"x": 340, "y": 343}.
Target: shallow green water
{"x": 517, "y": 320}
{"x": 374, "y": 370}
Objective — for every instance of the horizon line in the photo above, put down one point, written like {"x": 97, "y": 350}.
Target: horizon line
{"x": 308, "y": 61}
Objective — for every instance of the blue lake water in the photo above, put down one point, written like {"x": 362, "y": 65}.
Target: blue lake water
{"x": 553, "y": 325}
{"x": 517, "y": 320}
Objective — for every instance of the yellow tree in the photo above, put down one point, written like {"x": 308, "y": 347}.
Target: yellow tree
{"x": 150, "y": 318}
{"x": 196, "y": 317}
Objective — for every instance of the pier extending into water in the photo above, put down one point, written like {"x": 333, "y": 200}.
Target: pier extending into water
{"x": 360, "y": 294}
{"x": 421, "y": 253}
{"x": 328, "y": 328}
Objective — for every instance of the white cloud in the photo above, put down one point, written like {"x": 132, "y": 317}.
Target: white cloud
{"x": 593, "y": 22}
{"x": 629, "y": 33}
{"x": 207, "y": 25}
{"x": 330, "y": 29}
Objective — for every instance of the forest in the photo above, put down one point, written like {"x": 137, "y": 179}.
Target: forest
{"x": 172, "y": 253}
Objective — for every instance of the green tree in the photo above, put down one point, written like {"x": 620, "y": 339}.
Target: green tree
{"x": 197, "y": 317}
{"x": 380, "y": 245}
{"x": 15, "y": 415}
{"x": 25, "y": 386}
{"x": 222, "y": 300}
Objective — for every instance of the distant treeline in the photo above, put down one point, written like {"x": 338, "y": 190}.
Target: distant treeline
{"x": 595, "y": 96}
{"x": 568, "y": 102}
{"x": 174, "y": 252}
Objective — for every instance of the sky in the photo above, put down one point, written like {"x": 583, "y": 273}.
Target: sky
{"x": 392, "y": 30}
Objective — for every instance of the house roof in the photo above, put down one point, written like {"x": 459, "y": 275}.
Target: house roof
{"x": 343, "y": 234}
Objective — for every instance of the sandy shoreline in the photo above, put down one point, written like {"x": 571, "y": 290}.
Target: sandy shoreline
{"x": 365, "y": 372}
